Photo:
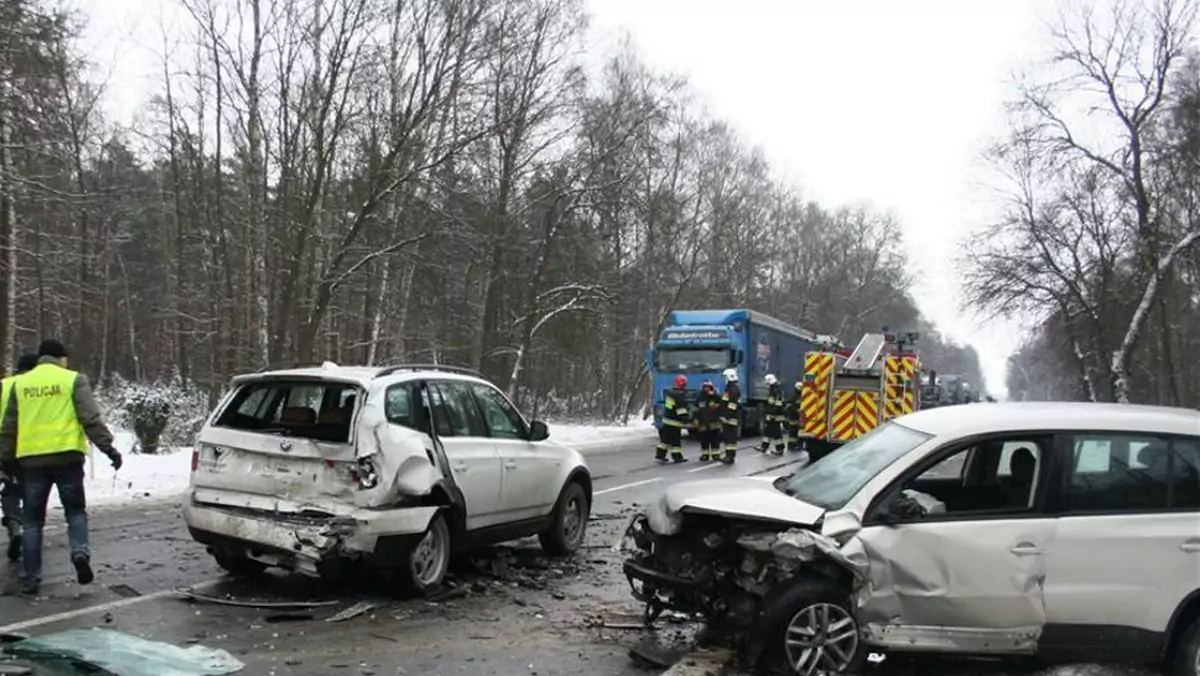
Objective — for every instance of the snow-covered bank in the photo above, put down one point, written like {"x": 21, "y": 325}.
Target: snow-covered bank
{"x": 164, "y": 476}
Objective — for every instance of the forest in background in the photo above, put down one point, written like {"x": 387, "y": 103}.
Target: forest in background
{"x": 1098, "y": 238}
{"x": 448, "y": 181}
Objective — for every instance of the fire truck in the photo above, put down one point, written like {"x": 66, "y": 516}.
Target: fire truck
{"x": 844, "y": 395}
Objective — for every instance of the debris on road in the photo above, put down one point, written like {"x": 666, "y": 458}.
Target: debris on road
{"x": 121, "y": 654}
{"x": 357, "y": 609}
{"x": 191, "y": 595}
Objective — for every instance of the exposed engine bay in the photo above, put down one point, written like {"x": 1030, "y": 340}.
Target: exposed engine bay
{"x": 721, "y": 569}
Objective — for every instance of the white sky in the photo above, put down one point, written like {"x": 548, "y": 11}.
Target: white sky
{"x": 877, "y": 101}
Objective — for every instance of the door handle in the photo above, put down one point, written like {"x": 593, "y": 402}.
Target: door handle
{"x": 1190, "y": 546}
{"x": 1025, "y": 549}
{"x": 510, "y": 465}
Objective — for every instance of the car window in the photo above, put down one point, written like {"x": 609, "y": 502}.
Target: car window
{"x": 502, "y": 418}
{"x": 316, "y": 410}
{"x": 398, "y": 406}
{"x": 833, "y": 480}
{"x": 435, "y": 403}
{"x": 998, "y": 475}
{"x": 1129, "y": 473}
{"x": 464, "y": 418}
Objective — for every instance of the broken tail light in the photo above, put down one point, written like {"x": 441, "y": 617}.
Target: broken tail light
{"x": 360, "y": 472}
{"x": 195, "y": 458}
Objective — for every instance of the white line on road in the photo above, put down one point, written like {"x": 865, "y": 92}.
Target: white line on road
{"x": 704, "y": 467}
{"x": 112, "y": 605}
{"x": 624, "y": 486}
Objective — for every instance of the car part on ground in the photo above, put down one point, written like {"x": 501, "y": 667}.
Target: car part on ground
{"x": 107, "y": 651}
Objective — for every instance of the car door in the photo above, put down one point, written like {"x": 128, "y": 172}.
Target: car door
{"x": 473, "y": 458}
{"x": 1128, "y": 545}
{"x": 530, "y": 468}
{"x": 962, "y": 573}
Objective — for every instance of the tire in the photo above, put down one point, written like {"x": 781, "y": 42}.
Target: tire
{"x": 568, "y": 523}
{"x": 1186, "y": 659}
{"x": 814, "y": 608}
{"x": 424, "y": 565}
{"x": 237, "y": 564}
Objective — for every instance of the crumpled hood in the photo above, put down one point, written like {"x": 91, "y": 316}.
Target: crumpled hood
{"x": 745, "y": 497}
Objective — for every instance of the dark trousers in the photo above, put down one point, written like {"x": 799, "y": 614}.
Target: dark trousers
{"x": 773, "y": 433}
{"x": 730, "y": 434}
{"x": 670, "y": 440}
{"x": 10, "y": 506}
{"x": 793, "y": 436}
{"x": 36, "y": 483}
{"x": 710, "y": 442}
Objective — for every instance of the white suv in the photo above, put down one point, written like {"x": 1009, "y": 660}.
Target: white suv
{"x": 1062, "y": 531}
{"x": 315, "y": 468}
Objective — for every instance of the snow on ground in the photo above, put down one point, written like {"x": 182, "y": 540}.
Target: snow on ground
{"x": 594, "y": 437}
{"x": 142, "y": 477}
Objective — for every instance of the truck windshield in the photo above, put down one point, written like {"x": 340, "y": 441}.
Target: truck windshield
{"x": 831, "y": 482}
{"x": 691, "y": 360}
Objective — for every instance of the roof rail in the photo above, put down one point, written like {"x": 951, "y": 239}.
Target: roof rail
{"x": 390, "y": 369}
{"x": 286, "y": 365}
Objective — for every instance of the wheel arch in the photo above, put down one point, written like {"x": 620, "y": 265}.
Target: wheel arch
{"x": 1187, "y": 612}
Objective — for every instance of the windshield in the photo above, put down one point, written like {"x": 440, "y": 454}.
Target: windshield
{"x": 693, "y": 360}
{"x": 831, "y": 482}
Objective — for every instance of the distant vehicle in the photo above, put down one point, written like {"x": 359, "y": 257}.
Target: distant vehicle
{"x": 1065, "y": 532}
{"x": 316, "y": 469}
{"x": 700, "y": 344}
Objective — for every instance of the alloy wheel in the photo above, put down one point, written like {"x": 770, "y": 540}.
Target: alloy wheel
{"x": 821, "y": 637}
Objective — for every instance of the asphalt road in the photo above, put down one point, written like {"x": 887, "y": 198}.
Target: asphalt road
{"x": 511, "y": 610}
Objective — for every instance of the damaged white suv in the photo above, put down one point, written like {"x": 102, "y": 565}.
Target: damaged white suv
{"x": 1059, "y": 531}
{"x": 316, "y": 468}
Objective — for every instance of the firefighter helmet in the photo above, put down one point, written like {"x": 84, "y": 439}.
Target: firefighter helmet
{"x": 730, "y": 375}
{"x": 681, "y": 382}
{"x": 771, "y": 379}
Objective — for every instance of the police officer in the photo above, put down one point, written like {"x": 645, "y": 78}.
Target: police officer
{"x": 792, "y": 413}
{"x": 674, "y": 419}
{"x": 10, "y": 488}
{"x": 773, "y": 429}
{"x": 708, "y": 422}
{"x": 731, "y": 415}
{"x": 49, "y": 418}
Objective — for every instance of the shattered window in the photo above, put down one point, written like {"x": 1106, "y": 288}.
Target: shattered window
{"x": 397, "y": 405}
{"x": 464, "y": 419}
{"x": 1122, "y": 472}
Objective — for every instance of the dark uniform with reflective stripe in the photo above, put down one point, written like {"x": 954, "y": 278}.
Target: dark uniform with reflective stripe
{"x": 773, "y": 430}
{"x": 675, "y": 418}
{"x": 792, "y": 413}
{"x": 708, "y": 424}
{"x": 731, "y": 421}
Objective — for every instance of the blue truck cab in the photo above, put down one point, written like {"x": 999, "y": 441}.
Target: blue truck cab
{"x": 701, "y": 344}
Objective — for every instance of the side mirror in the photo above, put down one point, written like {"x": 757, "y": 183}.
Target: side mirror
{"x": 538, "y": 431}
{"x": 740, "y": 356}
{"x": 899, "y": 508}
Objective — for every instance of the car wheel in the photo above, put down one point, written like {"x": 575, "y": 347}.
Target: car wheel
{"x": 811, "y": 630}
{"x": 425, "y": 565}
{"x": 568, "y": 524}
{"x": 238, "y": 564}
{"x": 1186, "y": 660}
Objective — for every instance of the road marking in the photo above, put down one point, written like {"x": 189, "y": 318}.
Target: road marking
{"x": 704, "y": 467}
{"x": 624, "y": 486}
{"x": 111, "y": 605}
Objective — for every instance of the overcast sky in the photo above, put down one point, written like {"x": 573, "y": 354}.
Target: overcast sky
{"x": 877, "y": 101}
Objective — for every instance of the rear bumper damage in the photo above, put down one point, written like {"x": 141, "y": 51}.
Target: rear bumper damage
{"x": 305, "y": 542}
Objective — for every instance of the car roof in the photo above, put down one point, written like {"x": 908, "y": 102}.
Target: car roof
{"x": 361, "y": 375}
{"x": 984, "y": 418}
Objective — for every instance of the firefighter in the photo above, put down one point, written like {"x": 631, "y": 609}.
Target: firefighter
{"x": 10, "y": 487}
{"x": 708, "y": 422}
{"x": 773, "y": 429}
{"x": 675, "y": 418}
{"x": 794, "y": 414}
{"x": 731, "y": 418}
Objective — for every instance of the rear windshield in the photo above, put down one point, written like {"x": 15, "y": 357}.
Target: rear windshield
{"x": 312, "y": 409}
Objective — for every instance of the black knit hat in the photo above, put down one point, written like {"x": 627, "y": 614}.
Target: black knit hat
{"x": 26, "y": 362}
{"x": 52, "y": 348}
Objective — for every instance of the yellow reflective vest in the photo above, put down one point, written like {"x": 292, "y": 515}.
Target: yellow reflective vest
{"x": 46, "y": 419}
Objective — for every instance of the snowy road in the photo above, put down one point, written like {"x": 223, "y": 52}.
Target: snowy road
{"x": 515, "y": 612}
